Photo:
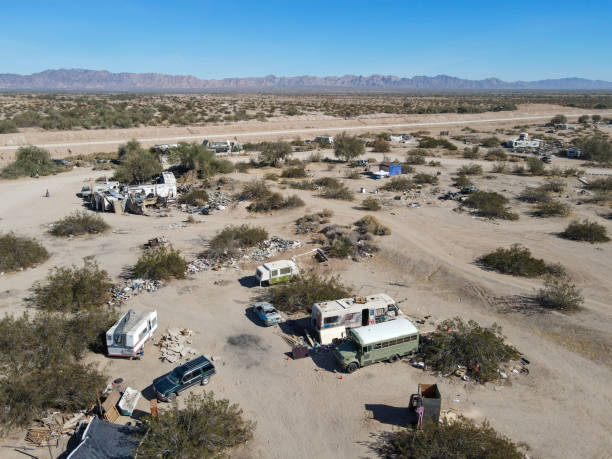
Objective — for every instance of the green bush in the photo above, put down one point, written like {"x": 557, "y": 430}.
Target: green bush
{"x": 273, "y": 153}
{"x": 160, "y": 263}
{"x": 228, "y": 242}
{"x": 328, "y": 182}
{"x": 304, "y": 185}
{"x": 8, "y": 127}
{"x": 17, "y": 252}
{"x": 138, "y": 167}
{"x": 457, "y": 343}
{"x": 310, "y": 223}
{"x": 204, "y": 428}
{"x": 347, "y": 147}
{"x": 422, "y": 178}
{"x": 73, "y": 289}
{"x": 341, "y": 192}
{"x": 560, "y": 294}
{"x": 79, "y": 223}
{"x": 490, "y": 204}
{"x": 536, "y": 166}
{"x": 586, "y": 231}
{"x": 499, "y": 167}
{"x": 462, "y": 181}
{"x": 491, "y": 142}
{"x": 554, "y": 185}
{"x": 370, "y": 203}
{"x": 243, "y": 166}
{"x": 471, "y": 153}
{"x": 497, "y": 154}
{"x": 557, "y": 119}
{"x": 255, "y": 190}
{"x": 381, "y": 146}
{"x": 596, "y": 148}
{"x": 194, "y": 198}
{"x": 516, "y": 261}
{"x": 370, "y": 224}
{"x": 460, "y": 439}
{"x": 275, "y": 202}
{"x": 534, "y": 194}
{"x": 399, "y": 184}
{"x": 600, "y": 184}
{"x": 415, "y": 157}
{"x": 470, "y": 169}
{"x": 303, "y": 291}
{"x": 552, "y": 208}
{"x": 30, "y": 161}
{"x": 294, "y": 172}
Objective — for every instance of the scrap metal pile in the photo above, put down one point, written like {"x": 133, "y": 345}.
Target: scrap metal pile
{"x": 132, "y": 287}
{"x": 53, "y": 427}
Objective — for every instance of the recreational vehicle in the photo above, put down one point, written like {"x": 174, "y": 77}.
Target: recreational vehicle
{"x": 374, "y": 343}
{"x": 276, "y": 271}
{"x": 332, "y": 319}
{"x": 128, "y": 336}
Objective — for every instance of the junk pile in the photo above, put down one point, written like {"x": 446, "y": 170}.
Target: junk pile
{"x": 53, "y": 427}
{"x": 132, "y": 287}
{"x": 173, "y": 345}
{"x": 217, "y": 200}
{"x": 155, "y": 242}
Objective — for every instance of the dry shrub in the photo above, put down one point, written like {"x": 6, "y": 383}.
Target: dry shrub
{"x": 552, "y": 208}
{"x": 370, "y": 203}
{"x": 79, "y": 223}
{"x": 194, "y": 198}
{"x": 586, "y": 230}
{"x": 160, "y": 263}
{"x": 17, "y": 252}
{"x": 276, "y": 202}
{"x": 370, "y": 224}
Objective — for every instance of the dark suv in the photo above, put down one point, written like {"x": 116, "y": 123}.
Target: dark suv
{"x": 196, "y": 371}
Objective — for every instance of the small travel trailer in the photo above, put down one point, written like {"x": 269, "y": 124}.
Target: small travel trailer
{"x": 276, "y": 271}
{"x": 128, "y": 336}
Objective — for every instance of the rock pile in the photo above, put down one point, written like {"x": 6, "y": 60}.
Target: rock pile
{"x": 173, "y": 345}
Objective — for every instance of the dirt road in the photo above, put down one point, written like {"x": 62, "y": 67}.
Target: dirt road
{"x": 65, "y": 143}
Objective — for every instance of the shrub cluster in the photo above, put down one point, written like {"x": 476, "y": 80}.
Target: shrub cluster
{"x": 228, "y": 242}
{"x": 79, "y": 223}
{"x": 552, "y": 208}
{"x": 254, "y": 190}
{"x": 194, "y": 198}
{"x": 470, "y": 169}
{"x": 370, "y": 224}
{"x": 73, "y": 289}
{"x": 138, "y": 167}
{"x": 348, "y": 147}
{"x": 415, "y": 157}
{"x": 160, "y": 263}
{"x": 30, "y": 161}
{"x": 303, "y": 291}
{"x": 204, "y": 427}
{"x": 457, "y": 343}
{"x": 17, "y": 252}
{"x": 422, "y": 179}
{"x": 517, "y": 261}
{"x": 497, "y": 154}
{"x": 490, "y": 204}
{"x": 430, "y": 142}
{"x": 586, "y": 230}
{"x": 311, "y": 223}
{"x": 399, "y": 184}
{"x": 560, "y": 294}
{"x": 332, "y": 189}
{"x": 275, "y": 201}
{"x": 371, "y": 204}
{"x": 194, "y": 157}
{"x": 42, "y": 369}
{"x": 294, "y": 172}
{"x": 460, "y": 439}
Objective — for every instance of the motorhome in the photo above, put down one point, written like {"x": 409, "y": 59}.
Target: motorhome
{"x": 276, "y": 271}
{"x": 332, "y": 319}
{"x": 375, "y": 343}
{"x": 128, "y": 336}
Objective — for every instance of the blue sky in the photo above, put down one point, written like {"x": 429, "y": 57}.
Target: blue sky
{"x": 510, "y": 40}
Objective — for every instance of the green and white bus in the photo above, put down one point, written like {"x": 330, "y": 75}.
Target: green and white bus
{"x": 373, "y": 343}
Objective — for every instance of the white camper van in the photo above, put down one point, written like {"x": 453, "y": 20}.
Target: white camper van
{"x": 128, "y": 336}
{"x": 276, "y": 271}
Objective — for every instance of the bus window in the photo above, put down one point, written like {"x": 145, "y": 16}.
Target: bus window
{"x": 331, "y": 320}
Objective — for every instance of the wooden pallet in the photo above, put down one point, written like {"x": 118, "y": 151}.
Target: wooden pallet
{"x": 109, "y": 406}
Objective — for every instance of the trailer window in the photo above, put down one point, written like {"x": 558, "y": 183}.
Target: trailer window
{"x": 377, "y": 345}
{"x": 331, "y": 320}
{"x": 142, "y": 334}
{"x": 380, "y": 312}
{"x": 274, "y": 273}
{"x": 285, "y": 270}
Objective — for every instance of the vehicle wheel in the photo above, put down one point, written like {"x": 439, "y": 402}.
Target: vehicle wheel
{"x": 352, "y": 367}
{"x": 394, "y": 358}
{"x": 171, "y": 398}
{"x": 205, "y": 380}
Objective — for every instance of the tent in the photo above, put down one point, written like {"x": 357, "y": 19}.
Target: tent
{"x": 105, "y": 440}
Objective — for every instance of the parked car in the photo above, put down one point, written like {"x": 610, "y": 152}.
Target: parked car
{"x": 196, "y": 371}
{"x": 266, "y": 313}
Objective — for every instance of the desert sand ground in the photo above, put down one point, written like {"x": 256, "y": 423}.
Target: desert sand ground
{"x": 302, "y": 408}
{"x": 66, "y": 143}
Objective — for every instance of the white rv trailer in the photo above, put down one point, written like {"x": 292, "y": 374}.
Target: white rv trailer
{"x": 275, "y": 272}
{"x": 128, "y": 336}
{"x": 331, "y": 319}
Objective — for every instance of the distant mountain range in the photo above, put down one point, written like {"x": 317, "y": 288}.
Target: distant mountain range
{"x": 101, "y": 80}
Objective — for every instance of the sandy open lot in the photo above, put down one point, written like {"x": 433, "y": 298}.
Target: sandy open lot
{"x": 562, "y": 408}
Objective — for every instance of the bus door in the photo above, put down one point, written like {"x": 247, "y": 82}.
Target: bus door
{"x": 365, "y": 317}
